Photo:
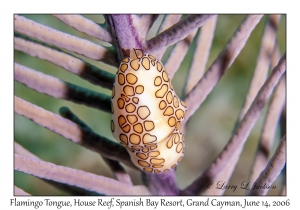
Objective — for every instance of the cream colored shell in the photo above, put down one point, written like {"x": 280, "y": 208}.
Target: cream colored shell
{"x": 147, "y": 113}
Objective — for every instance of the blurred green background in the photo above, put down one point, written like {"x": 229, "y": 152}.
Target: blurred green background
{"x": 209, "y": 129}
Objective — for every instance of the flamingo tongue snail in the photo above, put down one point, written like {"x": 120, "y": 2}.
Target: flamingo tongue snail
{"x": 147, "y": 113}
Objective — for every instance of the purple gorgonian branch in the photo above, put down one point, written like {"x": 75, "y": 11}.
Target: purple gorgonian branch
{"x": 272, "y": 170}
{"x": 167, "y": 22}
{"x": 63, "y": 40}
{"x": 162, "y": 184}
{"x": 125, "y": 35}
{"x": 86, "y": 26}
{"x": 67, "y": 61}
{"x": 263, "y": 61}
{"x": 72, "y": 131}
{"x": 176, "y": 32}
{"x": 72, "y": 190}
{"x": 201, "y": 54}
{"x": 269, "y": 129}
{"x": 178, "y": 53}
{"x": 18, "y": 149}
{"x": 57, "y": 88}
{"x": 116, "y": 168}
{"x": 224, "y": 164}
{"x": 144, "y": 23}
{"x": 229, "y": 53}
{"x": 77, "y": 178}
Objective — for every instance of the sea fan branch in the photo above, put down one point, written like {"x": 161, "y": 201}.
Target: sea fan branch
{"x": 65, "y": 60}
{"x": 85, "y": 25}
{"x": 232, "y": 49}
{"x": 226, "y": 161}
{"x": 144, "y": 23}
{"x": 201, "y": 54}
{"x": 168, "y": 21}
{"x": 18, "y": 149}
{"x": 269, "y": 129}
{"x": 64, "y": 187}
{"x": 124, "y": 34}
{"x": 72, "y": 131}
{"x": 177, "y": 32}
{"x": 178, "y": 53}
{"x": 272, "y": 171}
{"x": 260, "y": 74}
{"x": 63, "y": 40}
{"x": 117, "y": 169}
{"x": 162, "y": 184}
{"x": 59, "y": 89}
{"x": 78, "y": 178}
{"x": 263, "y": 61}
